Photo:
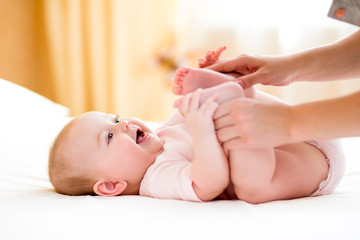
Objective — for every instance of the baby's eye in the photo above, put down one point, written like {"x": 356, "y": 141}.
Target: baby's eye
{"x": 109, "y": 137}
{"x": 117, "y": 119}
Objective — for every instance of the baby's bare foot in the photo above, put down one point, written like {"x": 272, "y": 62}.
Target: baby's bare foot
{"x": 178, "y": 81}
{"x": 211, "y": 57}
{"x": 187, "y": 80}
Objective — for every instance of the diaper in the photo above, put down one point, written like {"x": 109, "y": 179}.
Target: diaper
{"x": 335, "y": 157}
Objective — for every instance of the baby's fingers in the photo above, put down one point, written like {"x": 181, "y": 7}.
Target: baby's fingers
{"x": 183, "y": 104}
{"x": 195, "y": 99}
{"x": 209, "y": 106}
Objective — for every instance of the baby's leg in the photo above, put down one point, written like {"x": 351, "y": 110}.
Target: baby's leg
{"x": 250, "y": 171}
{"x": 285, "y": 172}
{"x": 226, "y": 92}
{"x": 187, "y": 80}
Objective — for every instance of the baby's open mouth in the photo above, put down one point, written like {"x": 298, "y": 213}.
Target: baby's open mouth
{"x": 139, "y": 136}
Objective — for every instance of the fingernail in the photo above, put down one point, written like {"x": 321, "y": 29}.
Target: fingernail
{"x": 240, "y": 82}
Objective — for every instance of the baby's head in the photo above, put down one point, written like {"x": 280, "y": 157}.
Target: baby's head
{"x": 98, "y": 153}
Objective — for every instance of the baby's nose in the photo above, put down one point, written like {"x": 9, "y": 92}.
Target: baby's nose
{"x": 123, "y": 125}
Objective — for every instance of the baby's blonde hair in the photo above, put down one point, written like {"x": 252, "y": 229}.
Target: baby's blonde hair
{"x": 63, "y": 175}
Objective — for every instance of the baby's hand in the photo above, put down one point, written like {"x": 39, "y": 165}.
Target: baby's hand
{"x": 198, "y": 115}
{"x": 211, "y": 57}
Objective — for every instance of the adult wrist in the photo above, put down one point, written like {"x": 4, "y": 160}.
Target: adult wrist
{"x": 295, "y": 65}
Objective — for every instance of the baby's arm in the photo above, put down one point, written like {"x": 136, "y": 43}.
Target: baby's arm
{"x": 210, "y": 166}
{"x": 174, "y": 119}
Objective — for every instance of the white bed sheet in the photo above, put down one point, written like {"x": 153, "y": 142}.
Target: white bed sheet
{"x": 30, "y": 209}
{"x": 34, "y": 211}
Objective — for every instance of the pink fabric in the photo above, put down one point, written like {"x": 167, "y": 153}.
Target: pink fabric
{"x": 170, "y": 176}
{"x": 336, "y": 160}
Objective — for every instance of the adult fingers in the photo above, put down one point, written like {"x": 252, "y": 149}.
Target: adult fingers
{"x": 223, "y": 110}
{"x": 227, "y": 65}
{"x": 223, "y": 122}
{"x": 248, "y": 80}
{"x": 227, "y": 133}
{"x": 235, "y": 143}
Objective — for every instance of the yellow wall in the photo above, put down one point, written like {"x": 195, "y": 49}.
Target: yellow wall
{"x": 22, "y": 51}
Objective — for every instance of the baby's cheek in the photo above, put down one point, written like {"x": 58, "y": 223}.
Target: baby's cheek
{"x": 130, "y": 150}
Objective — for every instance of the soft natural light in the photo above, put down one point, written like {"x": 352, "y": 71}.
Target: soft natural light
{"x": 295, "y": 24}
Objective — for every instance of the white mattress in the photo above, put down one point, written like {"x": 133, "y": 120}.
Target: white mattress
{"x": 30, "y": 209}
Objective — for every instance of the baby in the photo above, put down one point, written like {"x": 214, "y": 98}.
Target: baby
{"x": 98, "y": 153}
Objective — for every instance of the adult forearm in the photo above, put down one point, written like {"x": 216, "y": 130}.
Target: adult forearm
{"x": 327, "y": 119}
{"x": 336, "y": 61}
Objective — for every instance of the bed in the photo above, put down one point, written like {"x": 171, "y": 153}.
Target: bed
{"x": 30, "y": 209}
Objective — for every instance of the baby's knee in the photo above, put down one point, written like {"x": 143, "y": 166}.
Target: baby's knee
{"x": 250, "y": 92}
{"x": 227, "y": 91}
{"x": 234, "y": 89}
{"x": 249, "y": 196}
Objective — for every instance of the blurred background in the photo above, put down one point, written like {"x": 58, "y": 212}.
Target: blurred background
{"x": 119, "y": 56}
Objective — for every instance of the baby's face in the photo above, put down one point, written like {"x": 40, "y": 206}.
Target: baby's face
{"x": 114, "y": 149}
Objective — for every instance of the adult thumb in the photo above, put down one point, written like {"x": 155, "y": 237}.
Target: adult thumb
{"x": 248, "y": 80}
{"x": 224, "y": 66}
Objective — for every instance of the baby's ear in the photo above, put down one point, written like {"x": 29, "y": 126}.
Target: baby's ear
{"x": 109, "y": 188}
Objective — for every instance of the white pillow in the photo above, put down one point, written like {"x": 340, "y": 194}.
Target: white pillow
{"x": 28, "y": 124}
{"x": 20, "y": 102}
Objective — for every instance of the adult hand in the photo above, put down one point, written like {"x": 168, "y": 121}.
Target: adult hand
{"x": 249, "y": 123}
{"x": 257, "y": 69}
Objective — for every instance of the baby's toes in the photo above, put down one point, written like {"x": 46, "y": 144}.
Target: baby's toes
{"x": 210, "y": 55}
{"x": 179, "y": 75}
{"x": 211, "y": 58}
{"x": 218, "y": 52}
{"x": 177, "y": 81}
{"x": 177, "y": 90}
{"x": 202, "y": 62}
